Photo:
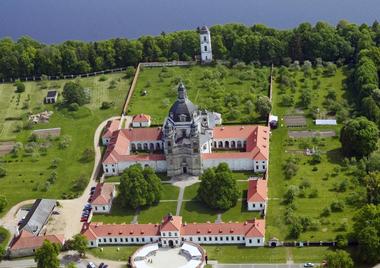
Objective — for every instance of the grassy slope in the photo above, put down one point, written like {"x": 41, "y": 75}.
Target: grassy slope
{"x": 158, "y": 90}
{"x": 23, "y": 172}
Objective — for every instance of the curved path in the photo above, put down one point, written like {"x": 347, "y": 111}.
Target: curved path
{"x": 68, "y": 222}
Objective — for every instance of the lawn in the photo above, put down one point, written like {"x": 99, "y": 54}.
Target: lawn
{"x": 113, "y": 253}
{"x": 169, "y": 192}
{"x": 154, "y": 214}
{"x": 118, "y": 215}
{"x": 231, "y": 92}
{"x": 191, "y": 192}
{"x": 322, "y": 177}
{"x": 242, "y": 254}
{"x": 27, "y": 173}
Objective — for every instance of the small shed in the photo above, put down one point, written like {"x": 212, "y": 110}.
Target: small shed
{"x": 51, "y": 96}
{"x": 325, "y": 122}
{"x": 141, "y": 120}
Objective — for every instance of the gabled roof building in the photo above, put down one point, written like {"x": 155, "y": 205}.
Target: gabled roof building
{"x": 172, "y": 231}
{"x": 189, "y": 141}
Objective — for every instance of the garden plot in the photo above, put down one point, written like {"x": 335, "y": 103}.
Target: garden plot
{"x": 311, "y": 134}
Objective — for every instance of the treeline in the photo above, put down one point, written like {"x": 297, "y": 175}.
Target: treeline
{"x": 258, "y": 43}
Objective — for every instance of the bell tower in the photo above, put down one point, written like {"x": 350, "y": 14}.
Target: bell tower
{"x": 206, "y": 50}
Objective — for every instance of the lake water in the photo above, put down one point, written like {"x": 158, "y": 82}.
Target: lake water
{"x": 54, "y": 21}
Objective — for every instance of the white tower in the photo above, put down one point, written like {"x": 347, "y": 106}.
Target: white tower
{"x": 206, "y": 51}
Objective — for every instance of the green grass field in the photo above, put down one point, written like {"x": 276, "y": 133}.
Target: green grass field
{"x": 217, "y": 89}
{"x": 322, "y": 177}
{"x": 113, "y": 253}
{"x": 27, "y": 174}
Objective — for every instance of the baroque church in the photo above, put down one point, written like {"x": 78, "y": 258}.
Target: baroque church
{"x": 189, "y": 141}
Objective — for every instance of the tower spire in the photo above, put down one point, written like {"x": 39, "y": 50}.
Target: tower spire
{"x": 182, "y": 94}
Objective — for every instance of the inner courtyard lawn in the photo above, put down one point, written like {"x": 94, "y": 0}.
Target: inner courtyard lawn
{"x": 27, "y": 173}
{"x": 232, "y": 92}
{"x": 113, "y": 253}
{"x": 323, "y": 178}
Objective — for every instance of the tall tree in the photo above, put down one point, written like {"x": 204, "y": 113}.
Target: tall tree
{"x": 359, "y": 137}
{"x": 47, "y": 255}
{"x": 80, "y": 243}
{"x": 74, "y": 93}
{"x": 339, "y": 259}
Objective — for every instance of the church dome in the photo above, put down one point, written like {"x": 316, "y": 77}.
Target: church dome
{"x": 183, "y": 109}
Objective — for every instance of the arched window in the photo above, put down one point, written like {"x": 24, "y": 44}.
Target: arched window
{"x": 133, "y": 147}
{"x": 220, "y": 144}
{"x": 227, "y": 144}
{"x": 233, "y": 144}
{"x": 139, "y": 146}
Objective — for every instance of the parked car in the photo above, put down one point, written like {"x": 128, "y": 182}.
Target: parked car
{"x": 87, "y": 206}
{"x": 101, "y": 265}
{"x": 83, "y": 219}
{"x": 56, "y": 212}
{"x": 308, "y": 264}
{"x": 91, "y": 265}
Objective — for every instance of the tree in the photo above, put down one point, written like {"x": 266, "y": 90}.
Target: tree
{"x": 290, "y": 167}
{"x": 217, "y": 188}
{"x": 330, "y": 69}
{"x": 88, "y": 155}
{"x": 20, "y": 87}
{"x": 263, "y": 106}
{"x": 366, "y": 231}
{"x": 291, "y": 194}
{"x": 74, "y": 93}
{"x": 372, "y": 184}
{"x": 130, "y": 72}
{"x": 139, "y": 187}
{"x": 47, "y": 255}
{"x": 80, "y": 243}
{"x": 295, "y": 229}
{"x": 2, "y": 253}
{"x": 359, "y": 137}
{"x": 3, "y": 202}
{"x": 339, "y": 259}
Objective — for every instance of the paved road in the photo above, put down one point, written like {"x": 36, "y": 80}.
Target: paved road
{"x": 258, "y": 265}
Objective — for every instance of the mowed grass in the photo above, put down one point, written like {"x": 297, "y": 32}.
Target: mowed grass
{"x": 113, "y": 253}
{"x": 169, "y": 192}
{"x": 25, "y": 172}
{"x": 154, "y": 214}
{"x": 227, "y": 95}
{"x": 242, "y": 254}
{"x": 325, "y": 176}
{"x": 118, "y": 214}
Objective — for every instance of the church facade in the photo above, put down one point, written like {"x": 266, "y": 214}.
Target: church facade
{"x": 189, "y": 141}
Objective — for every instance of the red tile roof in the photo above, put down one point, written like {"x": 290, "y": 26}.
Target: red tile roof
{"x": 111, "y": 126}
{"x": 118, "y": 148}
{"x": 95, "y": 230}
{"x": 141, "y": 118}
{"x": 256, "y": 137}
{"x": 257, "y": 190}
{"x": 252, "y": 228}
{"x": 230, "y": 228}
{"x": 103, "y": 194}
{"x": 171, "y": 223}
{"x": 27, "y": 241}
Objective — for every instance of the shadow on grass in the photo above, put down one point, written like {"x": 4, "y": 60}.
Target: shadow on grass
{"x": 335, "y": 156}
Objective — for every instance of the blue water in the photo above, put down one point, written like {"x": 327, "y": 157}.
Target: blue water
{"x": 52, "y": 21}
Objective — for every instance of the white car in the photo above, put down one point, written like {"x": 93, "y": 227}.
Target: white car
{"x": 91, "y": 265}
{"x": 308, "y": 264}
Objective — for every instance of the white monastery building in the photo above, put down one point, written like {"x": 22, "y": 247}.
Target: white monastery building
{"x": 189, "y": 141}
{"x": 101, "y": 201}
{"x": 141, "y": 120}
{"x": 257, "y": 195}
{"x": 206, "y": 50}
{"x": 110, "y": 128}
{"x": 172, "y": 232}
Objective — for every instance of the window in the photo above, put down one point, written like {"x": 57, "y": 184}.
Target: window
{"x": 191, "y": 239}
{"x": 163, "y": 234}
{"x": 216, "y": 238}
{"x": 113, "y": 170}
{"x": 221, "y": 238}
{"x": 143, "y": 239}
{"x": 132, "y": 240}
{"x": 238, "y": 238}
{"x": 104, "y": 208}
{"x": 232, "y": 238}
{"x": 110, "y": 239}
{"x": 121, "y": 240}
{"x": 170, "y": 234}
{"x": 104, "y": 240}
{"x": 204, "y": 238}
{"x": 126, "y": 240}
{"x": 258, "y": 240}
{"x": 204, "y": 38}
{"x": 210, "y": 238}
{"x": 261, "y": 205}
{"x": 137, "y": 240}
{"x": 96, "y": 208}
{"x": 263, "y": 167}
{"x": 151, "y": 239}
{"x": 106, "y": 170}
{"x": 205, "y": 48}
{"x": 199, "y": 239}
{"x": 227, "y": 238}
{"x": 92, "y": 243}
{"x": 164, "y": 242}
{"x": 115, "y": 240}
{"x": 250, "y": 241}
{"x": 254, "y": 205}
{"x": 257, "y": 167}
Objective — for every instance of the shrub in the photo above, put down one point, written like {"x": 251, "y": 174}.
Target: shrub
{"x": 74, "y": 107}
{"x": 291, "y": 194}
{"x": 3, "y": 172}
{"x": 313, "y": 193}
{"x": 106, "y": 105}
{"x": 337, "y": 206}
{"x": 88, "y": 155}
{"x": 79, "y": 184}
{"x": 20, "y": 87}
{"x": 103, "y": 78}
{"x": 3, "y": 202}
{"x": 130, "y": 72}
{"x": 326, "y": 212}
{"x": 290, "y": 168}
